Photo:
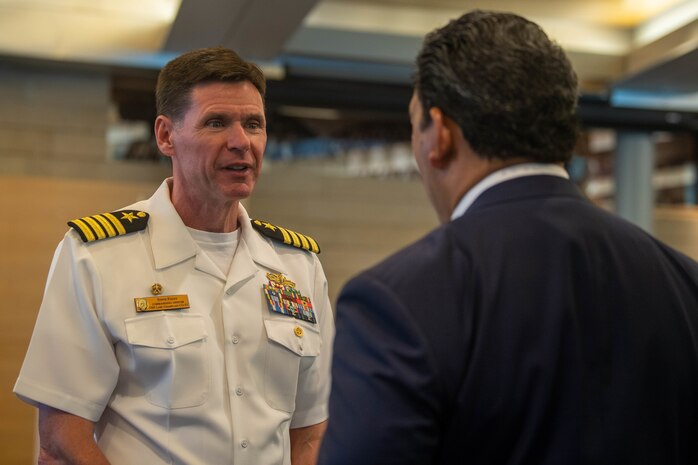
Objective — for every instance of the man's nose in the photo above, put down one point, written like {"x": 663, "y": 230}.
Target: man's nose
{"x": 238, "y": 139}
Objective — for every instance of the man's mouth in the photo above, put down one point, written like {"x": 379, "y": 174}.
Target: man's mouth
{"x": 236, "y": 167}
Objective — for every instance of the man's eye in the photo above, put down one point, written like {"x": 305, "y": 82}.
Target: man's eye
{"x": 254, "y": 125}
{"x": 215, "y": 123}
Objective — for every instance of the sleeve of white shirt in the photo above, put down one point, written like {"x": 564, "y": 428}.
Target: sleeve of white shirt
{"x": 70, "y": 364}
{"x": 314, "y": 380}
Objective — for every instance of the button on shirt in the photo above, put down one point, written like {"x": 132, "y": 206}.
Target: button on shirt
{"x": 218, "y": 383}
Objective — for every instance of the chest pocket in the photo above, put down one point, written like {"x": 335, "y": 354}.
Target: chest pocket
{"x": 290, "y": 346}
{"x": 171, "y": 358}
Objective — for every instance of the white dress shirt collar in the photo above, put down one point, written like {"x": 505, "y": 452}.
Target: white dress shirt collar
{"x": 506, "y": 174}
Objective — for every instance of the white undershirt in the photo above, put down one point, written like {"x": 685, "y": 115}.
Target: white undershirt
{"x": 506, "y": 174}
{"x": 219, "y": 247}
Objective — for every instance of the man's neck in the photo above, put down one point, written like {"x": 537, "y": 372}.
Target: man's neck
{"x": 478, "y": 170}
{"x": 205, "y": 215}
{"x": 210, "y": 218}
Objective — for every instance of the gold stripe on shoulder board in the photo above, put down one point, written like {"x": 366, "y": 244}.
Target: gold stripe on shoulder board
{"x": 106, "y": 225}
{"x": 286, "y": 236}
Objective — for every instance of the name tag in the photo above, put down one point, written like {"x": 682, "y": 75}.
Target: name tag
{"x": 161, "y": 303}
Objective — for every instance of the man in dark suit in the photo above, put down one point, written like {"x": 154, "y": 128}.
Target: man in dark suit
{"x": 531, "y": 327}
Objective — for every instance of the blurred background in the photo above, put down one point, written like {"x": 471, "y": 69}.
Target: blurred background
{"x": 77, "y": 82}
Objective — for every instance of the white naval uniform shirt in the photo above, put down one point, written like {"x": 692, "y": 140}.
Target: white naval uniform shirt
{"x": 218, "y": 383}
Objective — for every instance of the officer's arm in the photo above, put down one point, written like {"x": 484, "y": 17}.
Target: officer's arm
{"x": 305, "y": 443}
{"x": 65, "y": 438}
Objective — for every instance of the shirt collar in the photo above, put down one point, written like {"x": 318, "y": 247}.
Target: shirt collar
{"x": 172, "y": 243}
{"x": 505, "y": 174}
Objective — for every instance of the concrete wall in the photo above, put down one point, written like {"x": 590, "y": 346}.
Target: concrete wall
{"x": 51, "y": 122}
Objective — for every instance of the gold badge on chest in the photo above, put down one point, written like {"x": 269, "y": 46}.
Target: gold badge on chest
{"x": 161, "y": 302}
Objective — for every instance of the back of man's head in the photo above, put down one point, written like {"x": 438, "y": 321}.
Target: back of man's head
{"x": 511, "y": 90}
{"x": 217, "y": 64}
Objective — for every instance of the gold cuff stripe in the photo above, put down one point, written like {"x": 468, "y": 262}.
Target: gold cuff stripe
{"x": 111, "y": 232}
{"x": 287, "y": 238}
{"x": 117, "y": 224}
{"x": 296, "y": 241}
{"x": 313, "y": 245}
{"x": 86, "y": 231}
{"x": 96, "y": 227}
{"x": 304, "y": 241}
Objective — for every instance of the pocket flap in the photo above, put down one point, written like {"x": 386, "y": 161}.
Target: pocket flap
{"x": 165, "y": 331}
{"x": 303, "y": 340}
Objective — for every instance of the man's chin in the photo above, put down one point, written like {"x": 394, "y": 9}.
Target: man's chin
{"x": 238, "y": 193}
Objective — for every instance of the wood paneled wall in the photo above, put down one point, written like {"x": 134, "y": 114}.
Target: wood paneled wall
{"x": 34, "y": 214}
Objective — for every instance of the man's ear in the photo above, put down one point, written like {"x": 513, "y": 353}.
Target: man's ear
{"x": 442, "y": 152}
{"x": 164, "y": 129}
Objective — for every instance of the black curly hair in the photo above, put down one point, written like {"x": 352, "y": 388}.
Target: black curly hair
{"x": 511, "y": 90}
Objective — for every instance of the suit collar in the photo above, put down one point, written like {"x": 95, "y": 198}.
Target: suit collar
{"x": 525, "y": 188}
{"x": 506, "y": 174}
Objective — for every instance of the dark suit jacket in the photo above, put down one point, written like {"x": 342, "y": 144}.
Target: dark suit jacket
{"x": 535, "y": 329}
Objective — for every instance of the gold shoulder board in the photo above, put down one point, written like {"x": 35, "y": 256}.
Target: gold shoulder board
{"x": 105, "y": 225}
{"x": 286, "y": 236}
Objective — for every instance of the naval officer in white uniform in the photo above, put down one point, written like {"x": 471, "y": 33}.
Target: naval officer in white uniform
{"x": 177, "y": 330}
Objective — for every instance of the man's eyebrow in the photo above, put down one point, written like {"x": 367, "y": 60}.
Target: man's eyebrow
{"x": 216, "y": 115}
{"x": 254, "y": 115}
{"x": 225, "y": 116}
